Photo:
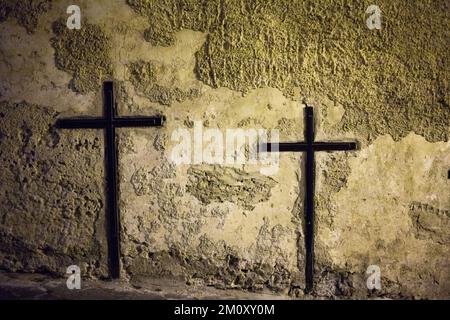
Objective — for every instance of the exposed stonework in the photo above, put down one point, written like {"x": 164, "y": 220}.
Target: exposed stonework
{"x": 51, "y": 200}
{"x": 332, "y": 283}
{"x": 167, "y": 96}
{"x": 212, "y": 263}
{"x": 176, "y": 236}
{"x": 83, "y": 53}
{"x": 324, "y": 51}
{"x": 430, "y": 222}
{"x": 143, "y": 77}
{"x": 26, "y": 12}
{"x": 218, "y": 267}
{"x": 40, "y": 286}
{"x": 227, "y": 184}
{"x": 144, "y": 180}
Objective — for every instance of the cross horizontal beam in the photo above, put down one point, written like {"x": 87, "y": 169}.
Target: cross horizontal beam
{"x": 304, "y": 146}
{"x": 118, "y": 122}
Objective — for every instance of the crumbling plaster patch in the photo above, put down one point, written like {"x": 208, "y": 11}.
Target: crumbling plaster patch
{"x": 326, "y": 51}
{"x": 385, "y": 182}
{"x": 52, "y": 202}
{"x": 162, "y": 198}
{"x": 27, "y": 13}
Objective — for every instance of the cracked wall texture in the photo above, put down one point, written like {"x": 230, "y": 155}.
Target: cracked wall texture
{"x": 52, "y": 210}
{"x": 231, "y": 64}
{"x": 323, "y": 48}
{"x": 26, "y": 12}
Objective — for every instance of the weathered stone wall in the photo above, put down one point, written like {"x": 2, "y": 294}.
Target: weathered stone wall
{"x": 231, "y": 64}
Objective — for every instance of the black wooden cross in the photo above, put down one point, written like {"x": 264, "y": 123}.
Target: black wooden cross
{"x": 110, "y": 121}
{"x": 310, "y": 147}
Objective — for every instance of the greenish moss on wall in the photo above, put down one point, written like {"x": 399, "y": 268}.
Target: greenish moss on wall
{"x": 84, "y": 53}
{"x": 26, "y": 12}
{"x": 390, "y": 81}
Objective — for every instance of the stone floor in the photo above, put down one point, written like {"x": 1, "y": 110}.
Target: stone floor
{"x": 38, "y": 286}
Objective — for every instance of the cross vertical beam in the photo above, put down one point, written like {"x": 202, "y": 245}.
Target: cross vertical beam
{"x": 110, "y": 121}
{"x": 309, "y": 198}
{"x": 111, "y": 178}
{"x": 310, "y": 147}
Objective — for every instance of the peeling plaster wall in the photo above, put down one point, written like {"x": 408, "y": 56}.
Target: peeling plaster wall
{"x": 231, "y": 64}
{"x": 52, "y": 194}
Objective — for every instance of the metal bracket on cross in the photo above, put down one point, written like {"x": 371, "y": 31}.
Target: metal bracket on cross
{"x": 110, "y": 121}
{"x": 310, "y": 147}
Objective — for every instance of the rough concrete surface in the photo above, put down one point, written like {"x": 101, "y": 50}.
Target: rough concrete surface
{"x": 230, "y": 64}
